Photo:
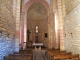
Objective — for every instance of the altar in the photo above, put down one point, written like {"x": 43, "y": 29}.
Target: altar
{"x": 39, "y": 46}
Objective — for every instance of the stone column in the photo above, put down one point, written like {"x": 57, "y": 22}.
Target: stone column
{"x": 22, "y": 28}
{"x": 17, "y": 16}
{"x": 25, "y": 30}
{"x": 61, "y": 14}
{"x": 51, "y": 26}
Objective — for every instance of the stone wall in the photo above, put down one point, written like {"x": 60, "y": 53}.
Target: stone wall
{"x": 7, "y": 28}
{"x": 6, "y": 47}
{"x": 72, "y": 30}
{"x": 61, "y": 15}
{"x": 7, "y": 20}
{"x": 71, "y": 4}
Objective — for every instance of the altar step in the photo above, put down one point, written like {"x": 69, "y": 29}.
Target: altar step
{"x": 39, "y": 55}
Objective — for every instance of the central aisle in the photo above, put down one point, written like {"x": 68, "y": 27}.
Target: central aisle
{"x": 39, "y": 55}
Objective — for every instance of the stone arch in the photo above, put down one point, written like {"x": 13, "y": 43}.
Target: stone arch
{"x": 25, "y": 10}
{"x": 30, "y": 2}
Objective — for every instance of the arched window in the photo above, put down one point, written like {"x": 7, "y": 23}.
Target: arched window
{"x": 36, "y": 29}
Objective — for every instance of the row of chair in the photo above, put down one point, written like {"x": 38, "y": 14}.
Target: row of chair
{"x": 56, "y": 54}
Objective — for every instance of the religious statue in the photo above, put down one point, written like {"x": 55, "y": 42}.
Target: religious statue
{"x": 29, "y": 42}
{"x": 28, "y": 34}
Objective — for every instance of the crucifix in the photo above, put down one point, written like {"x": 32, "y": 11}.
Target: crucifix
{"x": 28, "y": 34}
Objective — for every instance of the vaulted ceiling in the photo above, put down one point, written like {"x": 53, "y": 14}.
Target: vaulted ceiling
{"x": 37, "y": 12}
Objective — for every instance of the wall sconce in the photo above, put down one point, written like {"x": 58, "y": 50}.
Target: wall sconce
{"x": 0, "y": 30}
{"x": 71, "y": 34}
{"x": 0, "y": 33}
{"x": 65, "y": 35}
{"x": 8, "y": 35}
{"x": 13, "y": 35}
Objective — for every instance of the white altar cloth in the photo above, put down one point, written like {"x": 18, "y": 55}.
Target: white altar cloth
{"x": 37, "y": 44}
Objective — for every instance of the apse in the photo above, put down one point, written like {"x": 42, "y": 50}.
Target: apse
{"x": 37, "y": 23}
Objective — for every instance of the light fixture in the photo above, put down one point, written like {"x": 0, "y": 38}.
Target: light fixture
{"x": 0, "y": 31}
{"x": 8, "y": 35}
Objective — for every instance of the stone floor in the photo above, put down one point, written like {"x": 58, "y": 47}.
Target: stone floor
{"x": 39, "y": 55}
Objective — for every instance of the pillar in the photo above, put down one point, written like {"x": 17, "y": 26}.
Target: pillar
{"x": 61, "y": 15}
{"x": 16, "y": 12}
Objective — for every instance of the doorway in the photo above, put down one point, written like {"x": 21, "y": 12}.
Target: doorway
{"x": 36, "y": 39}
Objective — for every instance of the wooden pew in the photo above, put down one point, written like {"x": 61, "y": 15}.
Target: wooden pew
{"x": 50, "y": 53}
{"x": 47, "y": 52}
{"x": 66, "y": 57}
{"x": 18, "y": 57}
{"x": 6, "y": 57}
{"x": 25, "y": 51}
{"x": 59, "y": 53}
{"x": 54, "y": 52}
{"x": 21, "y": 55}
